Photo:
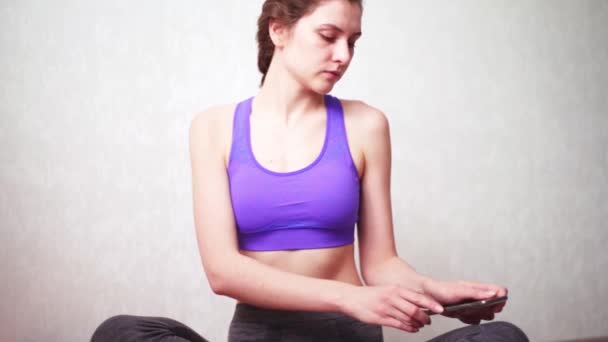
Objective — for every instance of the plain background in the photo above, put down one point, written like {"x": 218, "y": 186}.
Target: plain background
{"x": 499, "y": 123}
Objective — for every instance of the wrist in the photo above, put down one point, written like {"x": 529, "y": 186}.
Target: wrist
{"x": 339, "y": 299}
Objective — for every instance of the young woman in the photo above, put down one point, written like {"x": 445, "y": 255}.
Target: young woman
{"x": 281, "y": 179}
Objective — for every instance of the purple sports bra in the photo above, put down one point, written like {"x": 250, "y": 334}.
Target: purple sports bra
{"x": 313, "y": 207}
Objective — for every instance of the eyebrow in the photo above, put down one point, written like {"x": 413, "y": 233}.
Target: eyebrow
{"x": 334, "y": 27}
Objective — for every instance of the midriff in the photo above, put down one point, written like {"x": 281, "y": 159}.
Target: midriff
{"x": 336, "y": 263}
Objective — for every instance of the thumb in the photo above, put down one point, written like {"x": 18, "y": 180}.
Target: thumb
{"x": 470, "y": 292}
{"x": 483, "y": 294}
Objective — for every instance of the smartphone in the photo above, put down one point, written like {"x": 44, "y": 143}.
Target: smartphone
{"x": 469, "y": 305}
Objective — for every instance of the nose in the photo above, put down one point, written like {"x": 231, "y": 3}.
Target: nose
{"x": 342, "y": 52}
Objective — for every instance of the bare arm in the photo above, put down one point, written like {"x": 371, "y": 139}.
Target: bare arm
{"x": 380, "y": 263}
{"x": 229, "y": 272}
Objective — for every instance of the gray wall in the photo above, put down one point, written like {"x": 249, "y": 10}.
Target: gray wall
{"x": 499, "y": 120}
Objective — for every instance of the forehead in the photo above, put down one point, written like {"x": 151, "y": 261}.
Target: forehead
{"x": 341, "y": 13}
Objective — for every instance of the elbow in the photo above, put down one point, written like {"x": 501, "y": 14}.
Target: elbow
{"x": 217, "y": 281}
{"x": 217, "y": 285}
{"x": 222, "y": 275}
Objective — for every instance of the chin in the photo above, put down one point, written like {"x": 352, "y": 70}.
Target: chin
{"x": 322, "y": 87}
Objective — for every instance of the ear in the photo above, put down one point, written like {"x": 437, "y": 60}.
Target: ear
{"x": 278, "y": 32}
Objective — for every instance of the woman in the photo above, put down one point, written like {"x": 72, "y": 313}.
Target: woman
{"x": 281, "y": 179}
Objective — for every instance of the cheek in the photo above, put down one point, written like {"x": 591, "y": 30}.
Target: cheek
{"x": 311, "y": 50}
{"x": 305, "y": 60}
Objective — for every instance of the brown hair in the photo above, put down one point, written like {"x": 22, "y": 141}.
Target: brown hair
{"x": 287, "y": 12}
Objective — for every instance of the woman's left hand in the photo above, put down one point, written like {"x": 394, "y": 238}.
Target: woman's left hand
{"x": 452, "y": 292}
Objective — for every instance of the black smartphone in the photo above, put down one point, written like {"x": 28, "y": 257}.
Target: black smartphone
{"x": 470, "y": 305}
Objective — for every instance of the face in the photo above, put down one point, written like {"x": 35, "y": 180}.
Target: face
{"x": 319, "y": 47}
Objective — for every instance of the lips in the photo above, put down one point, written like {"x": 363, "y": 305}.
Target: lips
{"x": 332, "y": 73}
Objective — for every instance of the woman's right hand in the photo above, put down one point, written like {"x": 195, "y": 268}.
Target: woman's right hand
{"x": 392, "y": 306}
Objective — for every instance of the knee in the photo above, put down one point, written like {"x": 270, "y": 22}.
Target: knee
{"x": 119, "y": 318}
{"x": 110, "y": 328}
{"x": 118, "y": 321}
{"x": 505, "y": 331}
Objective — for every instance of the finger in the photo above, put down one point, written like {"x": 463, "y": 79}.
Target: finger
{"x": 502, "y": 291}
{"x": 479, "y": 286}
{"x": 414, "y": 302}
{"x": 498, "y": 308}
{"x": 484, "y": 294}
{"x": 412, "y": 311}
{"x": 468, "y": 318}
{"x": 421, "y": 300}
{"x": 478, "y": 314}
{"x": 400, "y": 316}
{"x": 394, "y": 323}
{"x": 465, "y": 291}
{"x": 497, "y": 290}
{"x": 421, "y": 316}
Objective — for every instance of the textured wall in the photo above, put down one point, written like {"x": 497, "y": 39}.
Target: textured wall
{"x": 499, "y": 120}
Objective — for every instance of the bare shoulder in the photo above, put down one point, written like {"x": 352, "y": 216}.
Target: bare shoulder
{"x": 367, "y": 131}
{"x": 364, "y": 119}
{"x": 211, "y": 119}
{"x": 211, "y": 129}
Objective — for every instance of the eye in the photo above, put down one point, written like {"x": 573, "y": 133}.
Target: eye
{"x": 331, "y": 39}
{"x": 327, "y": 38}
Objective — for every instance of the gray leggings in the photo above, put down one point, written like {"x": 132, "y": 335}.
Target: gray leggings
{"x": 130, "y": 328}
{"x": 251, "y": 323}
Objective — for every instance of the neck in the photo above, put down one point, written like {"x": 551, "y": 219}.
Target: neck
{"x": 284, "y": 98}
